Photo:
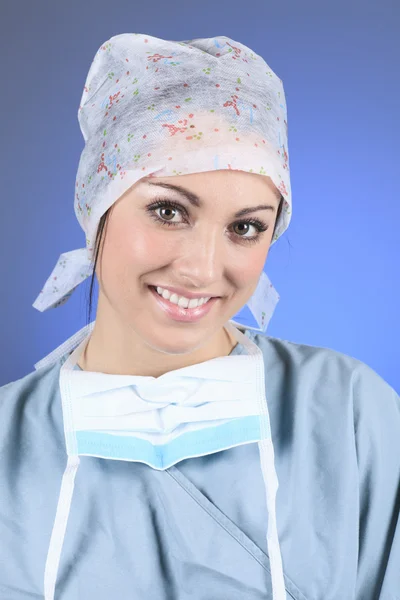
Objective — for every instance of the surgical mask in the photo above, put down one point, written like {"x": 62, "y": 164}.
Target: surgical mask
{"x": 193, "y": 411}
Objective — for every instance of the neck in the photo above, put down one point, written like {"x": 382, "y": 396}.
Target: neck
{"x": 116, "y": 348}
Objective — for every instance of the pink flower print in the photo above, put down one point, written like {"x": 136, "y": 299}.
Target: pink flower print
{"x": 284, "y": 157}
{"x": 111, "y": 160}
{"x": 236, "y": 50}
{"x": 282, "y": 188}
{"x": 233, "y": 103}
{"x": 114, "y": 97}
{"x": 182, "y": 127}
{"x": 157, "y": 57}
{"x": 102, "y": 166}
{"x": 173, "y": 129}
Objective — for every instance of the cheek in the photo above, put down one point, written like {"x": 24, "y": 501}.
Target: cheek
{"x": 130, "y": 250}
{"x": 248, "y": 265}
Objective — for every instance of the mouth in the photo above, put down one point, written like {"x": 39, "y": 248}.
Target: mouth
{"x": 179, "y": 313}
{"x": 181, "y": 292}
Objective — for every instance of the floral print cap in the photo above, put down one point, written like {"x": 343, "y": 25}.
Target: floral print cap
{"x": 154, "y": 107}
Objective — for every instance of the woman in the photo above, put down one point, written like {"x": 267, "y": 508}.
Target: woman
{"x": 147, "y": 418}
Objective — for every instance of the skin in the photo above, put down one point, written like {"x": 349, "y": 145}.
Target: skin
{"x": 204, "y": 252}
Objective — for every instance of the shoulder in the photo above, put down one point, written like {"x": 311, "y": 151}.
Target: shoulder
{"x": 317, "y": 373}
{"x": 306, "y": 360}
{"x": 36, "y": 379}
{"x": 30, "y": 395}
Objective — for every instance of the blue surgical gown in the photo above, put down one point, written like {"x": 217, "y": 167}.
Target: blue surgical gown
{"x": 198, "y": 529}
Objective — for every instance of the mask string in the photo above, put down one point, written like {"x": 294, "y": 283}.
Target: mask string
{"x": 59, "y": 527}
{"x": 271, "y": 485}
{"x": 267, "y": 460}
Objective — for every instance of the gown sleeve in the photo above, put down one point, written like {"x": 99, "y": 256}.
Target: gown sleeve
{"x": 376, "y": 408}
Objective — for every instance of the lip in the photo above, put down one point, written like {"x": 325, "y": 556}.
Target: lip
{"x": 184, "y": 293}
{"x": 178, "y": 313}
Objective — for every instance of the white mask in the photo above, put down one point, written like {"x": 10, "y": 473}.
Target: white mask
{"x": 193, "y": 411}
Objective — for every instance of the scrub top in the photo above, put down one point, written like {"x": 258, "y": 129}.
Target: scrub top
{"x": 198, "y": 529}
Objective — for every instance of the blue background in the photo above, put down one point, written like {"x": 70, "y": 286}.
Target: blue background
{"x": 337, "y": 266}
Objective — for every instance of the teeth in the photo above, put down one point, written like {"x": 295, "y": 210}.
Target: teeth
{"x": 181, "y": 300}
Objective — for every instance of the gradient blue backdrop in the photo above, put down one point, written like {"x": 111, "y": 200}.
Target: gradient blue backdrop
{"x": 336, "y": 268}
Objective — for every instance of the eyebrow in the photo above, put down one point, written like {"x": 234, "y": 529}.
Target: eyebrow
{"x": 195, "y": 200}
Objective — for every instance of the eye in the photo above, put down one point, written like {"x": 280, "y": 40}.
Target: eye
{"x": 171, "y": 206}
{"x": 167, "y": 213}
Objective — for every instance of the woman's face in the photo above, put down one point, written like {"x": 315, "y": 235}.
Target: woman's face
{"x": 204, "y": 249}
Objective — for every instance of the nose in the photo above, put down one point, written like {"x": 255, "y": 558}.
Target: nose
{"x": 203, "y": 257}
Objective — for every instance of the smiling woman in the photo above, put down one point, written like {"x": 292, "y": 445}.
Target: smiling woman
{"x": 207, "y": 234}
